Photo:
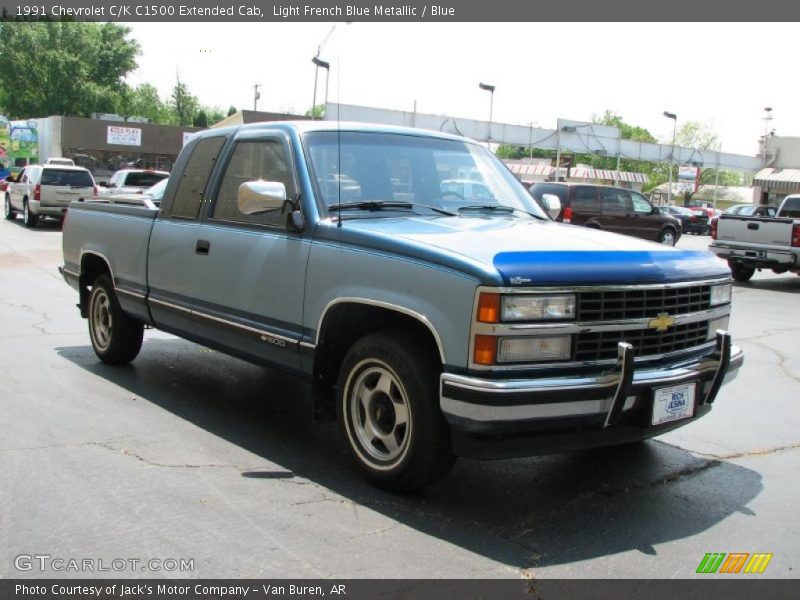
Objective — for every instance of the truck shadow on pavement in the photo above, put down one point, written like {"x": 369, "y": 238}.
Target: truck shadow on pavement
{"x": 525, "y": 513}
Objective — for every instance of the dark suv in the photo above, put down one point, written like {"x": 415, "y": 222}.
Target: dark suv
{"x": 611, "y": 209}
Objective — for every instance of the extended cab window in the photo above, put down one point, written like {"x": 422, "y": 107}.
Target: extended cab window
{"x": 253, "y": 160}
{"x": 192, "y": 184}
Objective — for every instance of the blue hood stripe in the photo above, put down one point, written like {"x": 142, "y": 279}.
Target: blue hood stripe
{"x": 599, "y": 267}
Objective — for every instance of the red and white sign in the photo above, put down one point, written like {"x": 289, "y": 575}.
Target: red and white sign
{"x": 124, "y": 136}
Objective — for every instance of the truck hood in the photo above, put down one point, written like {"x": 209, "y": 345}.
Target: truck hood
{"x": 532, "y": 252}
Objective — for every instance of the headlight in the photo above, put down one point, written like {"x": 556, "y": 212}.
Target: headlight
{"x": 720, "y": 294}
{"x": 537, "y": 308}
{"x": 531, "y": 349}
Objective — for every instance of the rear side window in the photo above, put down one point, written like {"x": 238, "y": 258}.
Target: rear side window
{"x": 615, "y": 200}
{"x": 194, "y": 178}
{"x": 66, "y": 177}
{"x": 791, "y": 208}
{"x": 584, "y": 198}
{"x": 144, "y": 179}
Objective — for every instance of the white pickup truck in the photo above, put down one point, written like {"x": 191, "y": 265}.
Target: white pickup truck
{"x": 750, "y": 243}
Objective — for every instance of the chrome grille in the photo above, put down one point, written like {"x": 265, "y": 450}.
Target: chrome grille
{"x": 646, "y": 342}
{"x": 615, "y": 305}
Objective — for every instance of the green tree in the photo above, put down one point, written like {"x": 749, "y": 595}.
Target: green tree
{"x": 200, "y": 119}
{"x": 702, "y": 137}
{"x": 316, "y": 112}
{"x": 144, "y": 101}
{"x": 183, "y": 104}
{"x": 232, "y": 110}
{"x": 62, "y": 68}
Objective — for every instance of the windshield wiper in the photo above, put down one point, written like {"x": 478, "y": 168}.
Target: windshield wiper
{"x": 370, "y": 205}
{"x": 496, "y": 208}
{"x": 374, "y": 205}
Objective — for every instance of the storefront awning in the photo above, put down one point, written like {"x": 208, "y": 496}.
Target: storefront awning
{"x": 608, "y": 175}
{"x": 535, "y": 170}
{"x": 784, "y": 179}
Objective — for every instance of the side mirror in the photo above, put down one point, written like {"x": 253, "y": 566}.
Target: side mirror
{"x": 256, "y": 197}
{"x": 552, "y": 204}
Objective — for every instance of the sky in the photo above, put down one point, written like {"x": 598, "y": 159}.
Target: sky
{"x": 722, "y": 75}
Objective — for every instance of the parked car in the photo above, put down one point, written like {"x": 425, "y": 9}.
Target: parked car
{"x": 611, "y": 209}
{"x": 46, "y": 191}
{"x": 133, "y": 181}
{"x": 750, "y": 242}
{"x": 151, "y": 197}
{"x": 60, "y": 161}
{"x": 483, "y": 330}
{"x": 746, "y": 210}
{"x": 692, "y": 220}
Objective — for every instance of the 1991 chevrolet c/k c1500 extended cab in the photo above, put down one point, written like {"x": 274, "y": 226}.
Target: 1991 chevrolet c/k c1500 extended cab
{"x": 435, "y": 323}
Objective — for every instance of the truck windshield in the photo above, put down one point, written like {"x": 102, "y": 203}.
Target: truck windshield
{"x": 449, "y": 175}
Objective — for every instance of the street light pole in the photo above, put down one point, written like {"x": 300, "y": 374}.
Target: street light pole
{"x": 318, "y": 62}
{"x": 674, "y": 118}
{"x": 767, "y": 119}
{"x": 490, "y": 89}
{"x": 256, "y": 96}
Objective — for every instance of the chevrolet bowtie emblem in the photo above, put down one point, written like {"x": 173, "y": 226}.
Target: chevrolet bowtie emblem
{"x": 662, "y": 322}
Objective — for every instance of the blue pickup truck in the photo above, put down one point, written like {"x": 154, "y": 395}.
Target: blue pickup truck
{"x": 432, "y": 323}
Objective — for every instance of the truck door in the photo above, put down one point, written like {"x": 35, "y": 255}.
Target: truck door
{"x": 250, "y": 283}
{"x": 172, "y": 254}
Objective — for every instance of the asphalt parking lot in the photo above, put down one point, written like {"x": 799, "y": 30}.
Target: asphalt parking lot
{"x": 189, "y": 454}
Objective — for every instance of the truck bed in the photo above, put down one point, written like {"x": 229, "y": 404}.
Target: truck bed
{"x": 117, "y": 233}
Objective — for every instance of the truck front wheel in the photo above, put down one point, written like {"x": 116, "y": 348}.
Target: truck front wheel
{"x": 116, "y": 338}
{"x": 740, "y": 272}
{"x": 387, "y": 405}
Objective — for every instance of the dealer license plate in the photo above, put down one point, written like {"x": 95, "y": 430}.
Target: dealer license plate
{"x": 673, "y": 403}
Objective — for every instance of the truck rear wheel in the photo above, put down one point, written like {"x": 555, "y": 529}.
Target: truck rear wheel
{"x": 740, "y": 272}
{"x": 387, "y": 405}
{"x": 116, "y": 338}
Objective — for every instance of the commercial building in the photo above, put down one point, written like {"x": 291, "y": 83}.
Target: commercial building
{"x": 781, "y": 173}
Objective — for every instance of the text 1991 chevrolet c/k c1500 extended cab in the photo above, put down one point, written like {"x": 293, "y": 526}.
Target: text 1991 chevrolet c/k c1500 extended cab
{"x": 436, "y": 324}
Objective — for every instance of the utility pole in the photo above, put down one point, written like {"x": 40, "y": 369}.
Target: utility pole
{"x": 674, "y": 118}
{"x": 767, "y": 119}
{"x": 256, "y": 96}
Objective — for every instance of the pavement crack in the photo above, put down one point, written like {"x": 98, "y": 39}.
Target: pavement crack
{"x": 782, "y": 360}
{"x": 748, "y": 453}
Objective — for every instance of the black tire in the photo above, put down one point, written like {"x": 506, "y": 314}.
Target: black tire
{"x": 407, "y": 412}
{"x": 8, "y": 212}
{"x": 28, "y": 218}
{"x": 740, "y": 272}
{"x": 667, "y": 234}
{"x": 116, "y": 337}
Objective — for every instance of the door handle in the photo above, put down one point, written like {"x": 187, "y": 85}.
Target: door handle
{"x": 752, "y": 226}
{"x": 202, "y": 247}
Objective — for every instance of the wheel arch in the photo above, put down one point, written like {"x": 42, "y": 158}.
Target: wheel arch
{"x": 346, "y": 320}
{"x": 92, "y": 265}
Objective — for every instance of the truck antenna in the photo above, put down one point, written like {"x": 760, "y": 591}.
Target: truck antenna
{"x": 338, "y": 140}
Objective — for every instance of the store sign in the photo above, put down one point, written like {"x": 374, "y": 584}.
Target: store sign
{"x": 124, "y": 136}
{"x": 687, "y": 178}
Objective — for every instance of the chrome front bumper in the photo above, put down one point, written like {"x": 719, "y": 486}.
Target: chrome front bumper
{"x": 486, "y": 405}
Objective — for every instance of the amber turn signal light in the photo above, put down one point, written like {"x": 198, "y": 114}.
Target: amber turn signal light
{"x": 485, "y": 350}
{"x": 488, "y": 308}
